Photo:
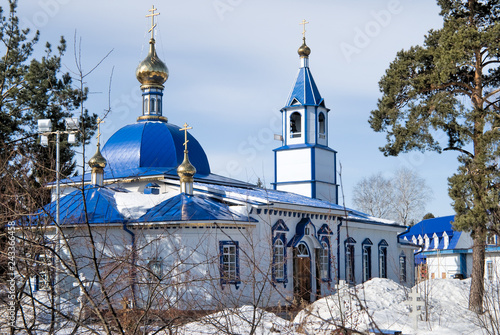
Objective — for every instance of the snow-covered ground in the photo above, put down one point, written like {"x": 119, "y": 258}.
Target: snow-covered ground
{"x": 379, "y": 302}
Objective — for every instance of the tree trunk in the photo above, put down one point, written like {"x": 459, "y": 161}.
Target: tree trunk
{"x": 477, "y": 284}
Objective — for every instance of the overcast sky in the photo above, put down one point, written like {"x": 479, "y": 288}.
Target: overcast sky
{"x": 232, "y": 64}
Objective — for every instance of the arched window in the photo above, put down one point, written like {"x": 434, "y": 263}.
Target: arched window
{"x": 382, "y": 259}
{"x": 349, "y": 260}
{"x": 302, "y": 250}
{"x": 402, "y": 267}
{"x": 367, "y": 259}
{"x": 279, "y": 259}
{"x": 146, "y": 106}
{"x": 295, "y": 125}
{"x": 152, "y": 108}
{"x": 322, "y": 125}
{"x": 158, "y": 106}
{"x": 324, "y": 261}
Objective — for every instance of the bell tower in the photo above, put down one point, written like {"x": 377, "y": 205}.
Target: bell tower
{"x": 305, "y": 164}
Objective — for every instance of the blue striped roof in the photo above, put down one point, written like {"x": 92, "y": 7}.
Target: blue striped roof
{"x": 437, "y": 226}
{"x": 304, "y": 91}
{"x": 99, "y": 201}
{"x": 431, "y": 226}
{"x": 152, "y": 144}
{"x": 185, "y": 207}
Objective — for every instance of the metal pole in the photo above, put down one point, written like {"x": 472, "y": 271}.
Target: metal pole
{"x": 57, "y": 181}
{"x": 58, "y": 196}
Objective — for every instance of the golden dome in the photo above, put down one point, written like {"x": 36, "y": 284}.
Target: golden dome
{"x": 152, "y": 71}
{"x": 186, "y": 170}
{"x": 304, "y": 50}
{"x": 98, "y": 161}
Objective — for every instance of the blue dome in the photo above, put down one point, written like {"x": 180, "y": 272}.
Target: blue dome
{"x": 152, "y": 144}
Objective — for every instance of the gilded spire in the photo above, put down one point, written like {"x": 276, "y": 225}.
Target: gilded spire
{"x": 97, "y": 163}
{"x": 186, "y": 170}
{"x": 304, "y": 51}
{"x": 152, "y": 71}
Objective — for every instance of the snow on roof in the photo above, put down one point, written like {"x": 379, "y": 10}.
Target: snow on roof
{"x": 185, "y": 207}
{"x": 133, "y": 205}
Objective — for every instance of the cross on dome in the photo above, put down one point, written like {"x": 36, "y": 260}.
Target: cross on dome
{"x": 153, "y": 24}
{"x": 185, "y": 129}
{"x": 99, "y": 121}
{"x": 303, "y": 23}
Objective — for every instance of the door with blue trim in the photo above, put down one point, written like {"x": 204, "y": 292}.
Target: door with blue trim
{"x": 302, "y": 273}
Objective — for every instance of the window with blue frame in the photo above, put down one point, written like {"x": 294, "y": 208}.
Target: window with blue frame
{"x": 349, "y": 260}
{"x": 367, "y": 259}
{"x": 382, "y": 258}
{"x": 295, "y": 125}
{"x": 324, "y": 261}
{"x": 229, "y": 262}
{"x": 279, "y": 266}
{"x": 322, "y": 127}
{"x": 279, "y": 259}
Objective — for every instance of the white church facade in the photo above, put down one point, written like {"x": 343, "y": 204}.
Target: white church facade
{"x": 153, "y": 224}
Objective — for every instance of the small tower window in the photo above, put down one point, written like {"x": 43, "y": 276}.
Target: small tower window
{"x": 322, "y": 126}
{"x": 295, "y": 125}
{"x": 146, "y": 106}
{"x": 158, "y": 106}
{"x": 152, "y": 104}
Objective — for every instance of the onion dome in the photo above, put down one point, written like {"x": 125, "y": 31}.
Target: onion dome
{"x": 98, "y": 161}
{"x": 150, "y": 145}
{"x": 304, "y": 50}
{"x": 152, "y": 71}
{"x": 186, "y": 170}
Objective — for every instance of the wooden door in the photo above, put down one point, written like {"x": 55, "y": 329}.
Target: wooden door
{"x": 302, "y": 278}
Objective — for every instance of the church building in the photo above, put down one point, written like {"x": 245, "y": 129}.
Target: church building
{"x": 154, "y": 225}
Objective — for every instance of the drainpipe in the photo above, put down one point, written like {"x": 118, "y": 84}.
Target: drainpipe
{"x": 132, "y": 272}
{"x": 338, "y": 249}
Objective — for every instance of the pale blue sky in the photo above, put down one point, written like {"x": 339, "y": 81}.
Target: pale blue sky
{"x": 232, "y": 64}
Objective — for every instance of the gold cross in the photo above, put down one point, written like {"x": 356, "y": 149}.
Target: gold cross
{"x": 99, "y": 121}
{"x": 185, "y": 129}
{"x": 153, "y": 24}
{"x": 303, "y": 23}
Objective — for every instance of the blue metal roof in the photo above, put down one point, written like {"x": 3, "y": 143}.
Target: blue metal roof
{"x": 431, "y": 226}
{"x": 184, "y": 207}
{"x": 436, "y": 226}
{"x": 100, "y": 203}
{"x": 152, "y": 144}
{"x": 304, "y": 91}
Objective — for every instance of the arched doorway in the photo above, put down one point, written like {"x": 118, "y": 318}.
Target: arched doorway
{"x": 302, "y": 272}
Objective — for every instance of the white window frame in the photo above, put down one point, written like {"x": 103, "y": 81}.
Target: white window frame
{"x": 324, "y": 261}
{"x": 402, "y": 268}
{"x": 367, "y": 262}
{"x": 279, "y": 259}
{"x": 382, "y": 259}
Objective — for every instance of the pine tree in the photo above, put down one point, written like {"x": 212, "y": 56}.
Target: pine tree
{"x": 450, "y": 84}
{"x": 32, "y": 89}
